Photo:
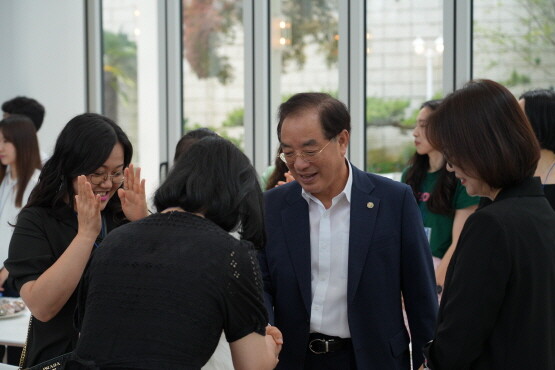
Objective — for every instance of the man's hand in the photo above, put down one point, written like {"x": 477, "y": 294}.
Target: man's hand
{"x": 275, "y": 333}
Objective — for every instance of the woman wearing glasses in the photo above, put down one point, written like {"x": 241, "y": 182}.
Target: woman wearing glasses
{"x": 76, "y": 202}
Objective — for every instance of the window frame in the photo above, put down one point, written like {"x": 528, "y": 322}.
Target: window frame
{"x": 260, "y": 116}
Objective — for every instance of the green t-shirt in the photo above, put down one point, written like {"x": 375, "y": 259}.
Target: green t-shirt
{"x": 438, "y": 227}
{"x": 265, "y": 176}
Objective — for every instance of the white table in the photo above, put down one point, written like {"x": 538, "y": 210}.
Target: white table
{"x": 7, "y": 367}
{"x": 13, "y": 331}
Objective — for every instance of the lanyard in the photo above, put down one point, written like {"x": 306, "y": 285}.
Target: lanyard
{"x": 102, "y": 232}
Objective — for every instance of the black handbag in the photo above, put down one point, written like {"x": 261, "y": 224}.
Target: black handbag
{"x": 56, "y": 363}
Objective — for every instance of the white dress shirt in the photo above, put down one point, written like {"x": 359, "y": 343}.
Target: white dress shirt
{"x": 8, "y": 209}
{"x": 329, "y": 254}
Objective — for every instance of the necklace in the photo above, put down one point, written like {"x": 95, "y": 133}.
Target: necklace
{"x": 549, "y": 172}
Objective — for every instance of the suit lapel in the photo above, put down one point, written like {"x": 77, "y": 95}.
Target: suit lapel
{"x": 295, "y": 221}
{"x": 364, "y": 211}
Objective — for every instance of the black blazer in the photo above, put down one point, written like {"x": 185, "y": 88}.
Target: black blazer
{"x": 498, "y": 308}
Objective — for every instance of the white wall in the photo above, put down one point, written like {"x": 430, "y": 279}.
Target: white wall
{"x": 42, "y": 56}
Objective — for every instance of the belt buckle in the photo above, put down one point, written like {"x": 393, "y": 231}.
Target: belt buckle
{"x": 318, "y": 340}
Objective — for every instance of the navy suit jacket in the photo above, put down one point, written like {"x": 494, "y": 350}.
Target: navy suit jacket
{"x": 388, "y": 255}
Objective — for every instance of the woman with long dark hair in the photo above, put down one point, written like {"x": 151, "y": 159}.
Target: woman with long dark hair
{"x": 78, "y": 200}
{"x": 178, "y": 277}
{"x": 539, "y": 106}
{"x": 19, "y": 171}
{"x": 497, "y": 310}
{"x": 443, "y": 201}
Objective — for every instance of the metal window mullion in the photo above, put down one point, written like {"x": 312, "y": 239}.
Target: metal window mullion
{"x": 449, "y": 60}
{"x": 94, "y": 83}
{"x": 257, "y": 83}
{"x": 352, "y": 74}
{"x": 463, "y": 42}
{"x": 162, "y": 80}
{"x": 174, "y": 80}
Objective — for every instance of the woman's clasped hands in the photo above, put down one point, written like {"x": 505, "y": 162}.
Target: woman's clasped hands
{"x": 273, "y": 334}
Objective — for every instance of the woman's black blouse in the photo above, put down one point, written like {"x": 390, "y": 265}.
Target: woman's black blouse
{"x": 549, "y": 190}
{"x": 40, "y": 237}
{"x": 159, "y": 291}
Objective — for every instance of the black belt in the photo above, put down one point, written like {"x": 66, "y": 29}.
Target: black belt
{"x": 321, "y": 343}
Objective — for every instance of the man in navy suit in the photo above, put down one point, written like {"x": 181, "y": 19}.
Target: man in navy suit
{"x": 344, "y": 249}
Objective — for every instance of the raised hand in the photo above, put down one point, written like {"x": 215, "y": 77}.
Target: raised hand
{"x": 87, "y": 206}
{"x": 133, "y": 195}
{"x": 288, "y": 178}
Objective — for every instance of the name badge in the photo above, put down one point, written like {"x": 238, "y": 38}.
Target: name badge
{"x": 428, "y": 231}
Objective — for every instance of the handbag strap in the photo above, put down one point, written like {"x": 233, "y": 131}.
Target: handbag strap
{"x": 24, "y": 351}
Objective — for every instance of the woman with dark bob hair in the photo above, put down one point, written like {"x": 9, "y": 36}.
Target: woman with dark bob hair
{"x": 497, "y": 310}
{"x": 76, "y": 202}
{"x": 539, "y": 106}
{"x": 159, "y": 291}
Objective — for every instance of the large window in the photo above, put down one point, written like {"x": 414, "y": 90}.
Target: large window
{"x": 120, "y": 33}
{"x": 130, "y": 89}
{"x": 213, "y": 67}
{"x": 514, "y": 43}
{"x": 241, "y": 58}
{"x": 404, "y": 46}
{"x": 304, "y": 37}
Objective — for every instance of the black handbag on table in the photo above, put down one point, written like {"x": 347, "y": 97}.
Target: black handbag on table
{"x": 56, "y": 363}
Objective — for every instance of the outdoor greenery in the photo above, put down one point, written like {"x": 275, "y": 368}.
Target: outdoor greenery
{"x": 396, "y": 113}
{"x": 535, "y": 47}
{"x": 208, "y": 25}
{"x": 234, "y": 118}
{"x": 120, "y": 76}
{"x": 385, "y": 112}
{"x": 120, "y": 61}
{"x": 313, "y": 22}
{"x": 238, "y": 141}
{"x": 379, "y": 112}
{"x": 211, "y": 24}
{"x": 516, "y": 79}
{"x": 381, "y": 160}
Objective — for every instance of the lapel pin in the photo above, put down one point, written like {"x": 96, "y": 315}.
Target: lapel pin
{"x": 370, "y": 205}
